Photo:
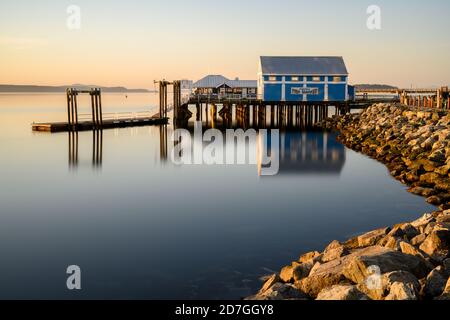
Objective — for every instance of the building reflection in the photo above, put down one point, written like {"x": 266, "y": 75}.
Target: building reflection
{"x": 310, "y": 152}
{"x": 300, "y": 151}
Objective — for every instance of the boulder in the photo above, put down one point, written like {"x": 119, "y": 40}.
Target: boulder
{"x": 309, "y": 256}
{"x": 302, "y": 270}
{"x": 386, "y": 260}
{"x": 422, "y": 221}
{"x": 429, "y": 179}
{"x": 401, "y": 291}
{"x": 279, "y": 291}
{"x": 418, "y": 240}
{"x": 328, "y": 274}
{"x": 378, "y": 291}
{"x": 334, "y": 251}
{"x": 270, "y": 282}
{"x": 404, "y": 230}
{"x": 341, "y": 292}
{"x": 407, "y": 248}
{"x": 421, "y": 191}
{"x": 371, "y": 238}
{"x": 287, "y": 274}
{"x": 391, "y": 243}
{"x": 435, "y": 283}
{"x": 443, "y": 171}
{"x": 436, "y": 245}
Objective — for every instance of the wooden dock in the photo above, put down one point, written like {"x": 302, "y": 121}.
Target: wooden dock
{"x": 107, "y": 124}
{"x": 98, "y": 120}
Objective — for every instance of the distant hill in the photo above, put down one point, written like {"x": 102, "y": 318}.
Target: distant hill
{"x": 374, "y": 87}
{"x": 55, "y": 89}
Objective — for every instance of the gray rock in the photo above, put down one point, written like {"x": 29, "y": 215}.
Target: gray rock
{"x": 280, "y": 291}
{"x": 386, "y": 260}
{"x": 341, "y": 292}
{"x": 435, "y": 283}
{"x": 302, "y": 270}
{"x": 401, "y": 291}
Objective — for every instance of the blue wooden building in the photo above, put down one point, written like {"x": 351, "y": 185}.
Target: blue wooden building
{"x": 303, "y": 79}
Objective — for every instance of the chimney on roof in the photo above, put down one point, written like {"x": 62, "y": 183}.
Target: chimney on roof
{"x": 236, "y": 79}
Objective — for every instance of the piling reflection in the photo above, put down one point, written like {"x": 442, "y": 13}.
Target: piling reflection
{"x": 97, "y": 149}
{"x": 73, "y": 148}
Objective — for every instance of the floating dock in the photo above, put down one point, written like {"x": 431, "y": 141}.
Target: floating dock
{"x": 97, "y": 120}
{"x": 107, "y": 124}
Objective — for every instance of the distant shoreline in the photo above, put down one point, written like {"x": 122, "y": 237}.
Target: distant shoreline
{"x": 61, "y": 89}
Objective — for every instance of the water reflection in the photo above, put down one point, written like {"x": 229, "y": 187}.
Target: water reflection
{"x": 97, "y": 149}
{"x": 299, "y": 151}
{"x": 311, "y": 153}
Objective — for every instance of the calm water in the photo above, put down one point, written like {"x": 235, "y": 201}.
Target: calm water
{"x": 141, "y": 227}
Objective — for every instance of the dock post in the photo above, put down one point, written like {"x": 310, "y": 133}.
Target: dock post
{"x": 97, "y": 117}
{"x": 93, "y": 107}
{"x": 69, "y": 99}
{"x": 100, "y": 107}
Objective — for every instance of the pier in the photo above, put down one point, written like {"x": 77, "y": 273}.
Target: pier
{"x": 98, "y": 120}
{"x": 420, "y": 97}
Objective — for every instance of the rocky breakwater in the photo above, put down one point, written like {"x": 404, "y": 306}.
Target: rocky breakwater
{"x": 414, "y": 145}
{"x": 408, "y": 261}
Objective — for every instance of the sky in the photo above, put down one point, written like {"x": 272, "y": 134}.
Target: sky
{"x": 132, "y": 43}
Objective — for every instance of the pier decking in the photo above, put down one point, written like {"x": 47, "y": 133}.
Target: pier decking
{"x": 107, "y": 124}
{"x": 97, "y": 120}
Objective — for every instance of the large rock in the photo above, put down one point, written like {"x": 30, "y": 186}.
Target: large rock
{"x": 435, "y": 283}
{"x": 371, "y": 238}
{"x": 418, "y": 240}
{"x": 334, "y": 251}
{"x": 341, "y": 292}
{"x": 313, "y": 255}
{"x": 287, "y": 273}
{"x": 270, "y": 282}
{"x": 332, "y": 273}
{"x": 446, "y": 294}
{"x": 437, "y": 244}
{"x": 378, "y": 291}
{"x": 407, "y": 248}
{"x": 279, "y": 291}
{"x": 384, "y": 260}
{"x": 402, "y": 291}
{"x": 302, "y": 270}
{"x": 423, "y": 221}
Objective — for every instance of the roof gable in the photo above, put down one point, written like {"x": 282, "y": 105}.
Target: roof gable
{"x": 303, "y": 65}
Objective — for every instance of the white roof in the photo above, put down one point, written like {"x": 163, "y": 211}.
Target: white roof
{"x": 215, "y": 81}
